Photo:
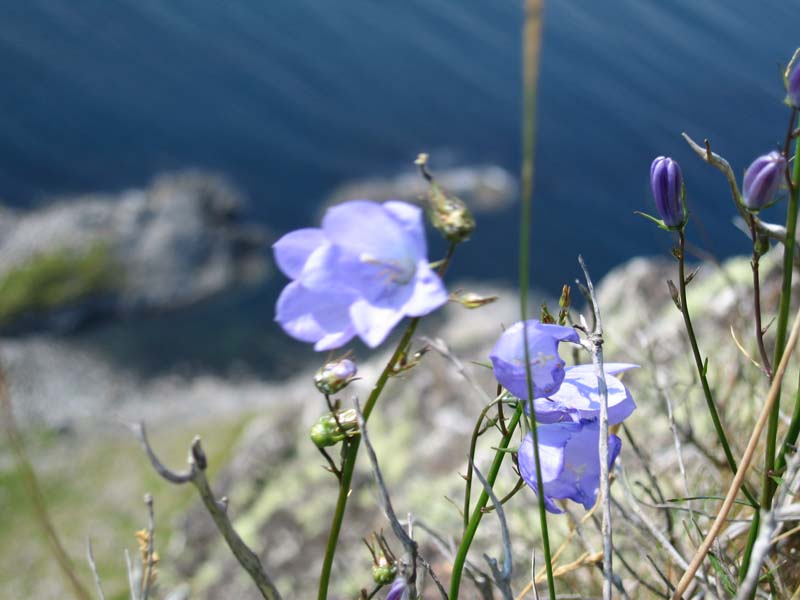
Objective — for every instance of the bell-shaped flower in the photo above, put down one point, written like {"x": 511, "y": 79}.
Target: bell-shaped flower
{"x": 546, "y": 366}
{"x": 359, "y": 274}
{"x": 579, "y": 396}
{"x": 762, "y": 180}
{"x": 569, "y": 459}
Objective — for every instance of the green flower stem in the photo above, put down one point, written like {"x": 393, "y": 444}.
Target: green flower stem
{"x": 780, "y": 334}
{"x": 477, "y": 513}
{"x": 350, "y": 447}
{"x": 791, "y": 221}
{"x": 532, "y": 38}
{"x": 701, "y": 368}
{"x": 476, "y": 432}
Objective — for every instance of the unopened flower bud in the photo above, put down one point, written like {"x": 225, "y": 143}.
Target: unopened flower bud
{"x": 546, "y": 318}
{"x": 472, "y": 300}
{"x": 762, "y": 180}
{"x": 383, "y": 572}
{"x": 328, "y": 432}
{"x": 564, "y": 303}
{"x": 666, "y": 183}
{"x": 399, "y": 590}
{"x": 335, "y": 376}
{"x": 793, "y": 86}
{"x": 449, "y": 215}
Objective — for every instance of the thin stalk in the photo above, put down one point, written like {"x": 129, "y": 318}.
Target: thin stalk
{"x": 476, "y": 432}
{"x": 701, "y": 368}
{"x": 532, "y": 37}
{"x": 770, "y": 465}
{"x": 350, "y": 445}
{"x": 477, "y": 512}
{"x": 794, "y": 424}
{"x": 762, "y": 350}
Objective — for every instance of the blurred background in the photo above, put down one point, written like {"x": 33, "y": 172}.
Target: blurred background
{"x": 152, "y": 150}
{"x": 290, "y": 101}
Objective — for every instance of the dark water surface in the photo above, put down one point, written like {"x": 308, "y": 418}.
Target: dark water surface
{"x": 290, "y": 97}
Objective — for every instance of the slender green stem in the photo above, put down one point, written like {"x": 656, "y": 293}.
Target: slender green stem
{"x": 762, "y": 350}
{"x": 532, "y": 37}
{"x": 701, "y": 367}
{"x": 781, "y": 327}
{"x": 794, "y": 424}
{"x": 476, "y": 432}
{"x": 477, "y": 512}
{"x": 350, "y": 447}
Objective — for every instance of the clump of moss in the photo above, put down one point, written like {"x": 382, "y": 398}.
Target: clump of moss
{"x": 56, "y": 279}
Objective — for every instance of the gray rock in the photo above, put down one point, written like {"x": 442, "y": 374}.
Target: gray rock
{"x": 174, "y": 243}
{"x": 485, "y": 188}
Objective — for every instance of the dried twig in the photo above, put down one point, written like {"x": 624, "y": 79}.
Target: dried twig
{"x": 501, "y": 577}
{"x": 770, "y": 526}
{"x": 93, "y": 567}
{"x": 408, "y": 564}
{"x": 442, "y": 348}
{"x": 594, "y": 344}
{"x": 133, "y": 578}
{"x": 196, "y": 474}
{"x": 147, "y": 580}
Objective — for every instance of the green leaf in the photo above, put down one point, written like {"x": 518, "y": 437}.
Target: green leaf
{"x": 658, "y": 222}
{"x": 722, "y": 574}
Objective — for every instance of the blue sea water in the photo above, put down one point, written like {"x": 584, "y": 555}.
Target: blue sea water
{"x": 290, "y": 97}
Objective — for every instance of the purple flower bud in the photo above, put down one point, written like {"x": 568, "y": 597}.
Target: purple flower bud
{"x": 398, "y": 591}
{"x": 334, "y": 376}
{"x": 762, "y": 179}
{"x": 794, "y": 86}
{"x": 666, "y": 183}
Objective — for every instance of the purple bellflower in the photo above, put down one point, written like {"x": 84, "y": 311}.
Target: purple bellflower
{"x": 570, "y": 461}
{"x": 547, "y": 367}
{"x": 360, "y": 273}
{"x": 579, "y": 396}
{"x": 762, "y": 180}
{"x": 793, "y": 85}
{"x": 666, "y": 183}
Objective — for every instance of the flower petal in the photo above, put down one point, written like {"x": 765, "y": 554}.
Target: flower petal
{"x": 293, "y": 249}
{"x": 428, "y": 292}
{"x": 314, "y": 317}
{"x": 410, "y": 219}
{"x": 580, "y": 391}
{"x": 367, "y": 230}
{"x": 373, "y": 323}
{"x": 547, "y": 368}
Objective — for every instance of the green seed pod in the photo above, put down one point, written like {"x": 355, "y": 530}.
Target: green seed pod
{"x": 449, "y": 215}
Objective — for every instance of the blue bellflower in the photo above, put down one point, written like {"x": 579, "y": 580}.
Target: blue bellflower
{"x": 359, "y": 274}
{"x": 762, "y": 180}
{"x": 547, "y": 367}
{"x": 570, "y": 462}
